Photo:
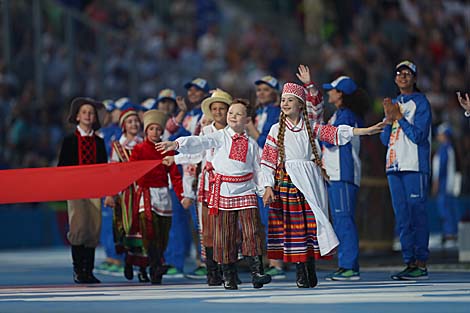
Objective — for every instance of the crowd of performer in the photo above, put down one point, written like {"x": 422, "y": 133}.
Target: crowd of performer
{"x": 258, "y": 182}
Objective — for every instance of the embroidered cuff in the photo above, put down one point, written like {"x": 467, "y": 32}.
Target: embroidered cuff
{"x": 310, "y": 85}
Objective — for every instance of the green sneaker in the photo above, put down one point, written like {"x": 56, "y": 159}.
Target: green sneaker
{"x": 276, "y": 273}
{"x": 173, "y": 272}
{"x": 198, "y": 273}
{"x": 399, "y": 275}
{"x": 103, "y": 268}
{"x": 329, "y": 276}
{"x": 115, "y": 270}
{"x": 416, "y": 273}
{"x": 346, "y": 274}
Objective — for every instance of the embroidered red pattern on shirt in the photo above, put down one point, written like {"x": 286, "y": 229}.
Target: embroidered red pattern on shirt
{"x": 86, "y": 149}
{"x": 270, "y": 154}
{"x": 271, "y": 138}
{"x": 238, "y": 203}
{"x": 239, "y": 148}
{"x": 328, "y": 134}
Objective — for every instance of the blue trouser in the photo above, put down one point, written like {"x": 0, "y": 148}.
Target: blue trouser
{"x": 107, "y": 234}
{"x": 263, "y": 213}
{"x": 180, "y": 237}
{"x": 342, "y": 197}
{"x": 409, "y": 192}
{"x": 448, "y": 214}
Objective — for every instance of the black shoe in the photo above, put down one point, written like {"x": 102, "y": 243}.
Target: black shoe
{"x": 230, "y": 282}
{"x": 301, "y": 275}
{"x": 143, "y": 276}
{"x": 128, "y": 271}
{"x": 79, "y": 277}
{"x": 258, "y": 278}
{"x": 312, "y": 274}
{"x": 91, "y": 279}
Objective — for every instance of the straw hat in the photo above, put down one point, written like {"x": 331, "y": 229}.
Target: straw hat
{"x": 217, "y": 96}
{"x": 155, "y": 117}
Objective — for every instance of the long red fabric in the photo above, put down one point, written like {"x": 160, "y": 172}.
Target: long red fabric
{"x": 70, "y": 182}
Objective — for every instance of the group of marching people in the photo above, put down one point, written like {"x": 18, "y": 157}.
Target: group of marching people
{"x": 259, "y": 184}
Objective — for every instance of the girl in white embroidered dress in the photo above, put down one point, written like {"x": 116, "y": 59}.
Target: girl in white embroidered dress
{"x": 301, "y": 210}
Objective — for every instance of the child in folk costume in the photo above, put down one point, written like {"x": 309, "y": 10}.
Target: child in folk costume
{"x": 214, "y": 108}
{"x": 83, "y": 147}
{"x": 233, "y": 197}
{"x": 127, "y": 237}
{"x": 299, "y": 229}
{"x": 152, "y": 197}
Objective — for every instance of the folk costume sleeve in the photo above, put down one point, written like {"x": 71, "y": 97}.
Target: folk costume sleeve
{"x": 314, "y": 102}
{"x": 198, "y": 144}
{"x": 269, "y": 157}
{"x": 337, "y": 136}
{"x": 176, "y": 180}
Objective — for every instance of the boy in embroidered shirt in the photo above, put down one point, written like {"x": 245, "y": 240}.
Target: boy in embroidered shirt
{"x": 82, "y": 147}
{"x": 215, "y": 110}
{"x": 299, "y": 229}
{"x": 153, "y": 196}
{"x": 233, "y": 197}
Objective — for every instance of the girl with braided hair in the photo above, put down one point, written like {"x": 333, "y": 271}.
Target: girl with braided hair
{"x": 294, "y": 180}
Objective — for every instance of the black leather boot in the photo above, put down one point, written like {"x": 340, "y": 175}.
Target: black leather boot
{"x": 143, "y": 276}
{"x": 229, "y": 276}
{"x": 89, "y": 265}
{"x": 156, "y": 266}
{"x": 78, "y": 256}
{"x": 213, "y": 272}
{"x": 312, "y": 274}
{"x": 302, "y": 278}
{"x": 128, "y": 271}
{"x": 258, "y": 278}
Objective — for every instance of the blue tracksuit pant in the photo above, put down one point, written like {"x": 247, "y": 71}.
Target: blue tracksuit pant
{"x": 448, "y": 214}
{"x": 107, "y": 235}
{"x": 342, "y": 197}
{"x": 409, "y": 192}
{"x": 180, "y": 237}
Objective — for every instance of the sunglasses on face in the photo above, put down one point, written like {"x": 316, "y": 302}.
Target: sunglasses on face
{"x": 404, "y": 74}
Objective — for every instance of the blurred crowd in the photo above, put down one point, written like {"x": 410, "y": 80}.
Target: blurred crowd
{"x": 226, "y": 43}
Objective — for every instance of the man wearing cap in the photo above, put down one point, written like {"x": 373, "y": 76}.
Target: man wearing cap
{"x": 82, "y": 147}
{"x": 186, "y": 123}
{"x": 408, "y": 140}
{"x": 444, "y": 180}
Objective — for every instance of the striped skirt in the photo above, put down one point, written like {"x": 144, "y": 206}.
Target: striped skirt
{"x": 292, "y": 231}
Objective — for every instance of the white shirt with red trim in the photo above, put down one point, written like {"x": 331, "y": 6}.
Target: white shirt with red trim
{"x": 233, "y": 196}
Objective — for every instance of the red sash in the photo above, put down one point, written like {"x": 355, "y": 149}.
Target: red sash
{"x": 215, "y": 194}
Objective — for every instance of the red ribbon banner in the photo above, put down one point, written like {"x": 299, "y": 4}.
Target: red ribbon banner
{"x": 70, "y": 182}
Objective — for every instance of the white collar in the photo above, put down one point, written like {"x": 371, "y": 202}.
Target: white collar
{"x": 83, "y": 133}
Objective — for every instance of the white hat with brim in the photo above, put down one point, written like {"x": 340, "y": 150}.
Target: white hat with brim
{"x": 217, "y": 96}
